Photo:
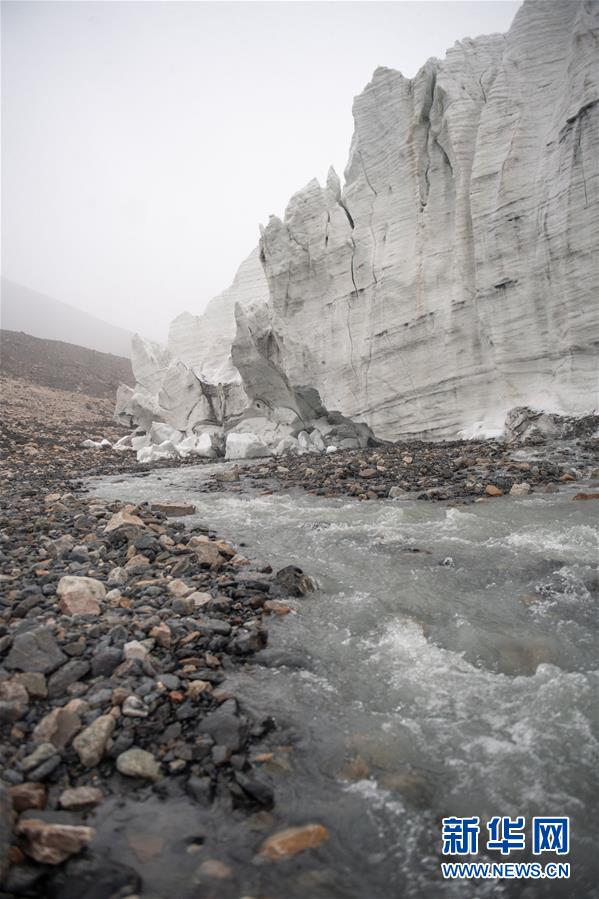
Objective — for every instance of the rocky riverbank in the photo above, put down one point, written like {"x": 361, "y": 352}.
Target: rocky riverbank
{"x": 117, "y": 629}
{"x": 458, "y": 471}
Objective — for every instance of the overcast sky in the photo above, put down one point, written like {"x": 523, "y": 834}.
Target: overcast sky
{"x": 143, "y": 143}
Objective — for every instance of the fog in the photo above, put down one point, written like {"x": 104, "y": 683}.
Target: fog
{"x": 143, "y": 143}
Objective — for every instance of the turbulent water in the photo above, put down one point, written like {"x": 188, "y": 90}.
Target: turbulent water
{"x": 447, "y": 665}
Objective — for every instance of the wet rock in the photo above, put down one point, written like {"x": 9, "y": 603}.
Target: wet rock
{"x": 289, "y": 842}
{"x": 174, "y": 509}
{"x": 91, "y": 743}
{"x": 258, "y": 792}
{"x": 137, "y": 762}
{"x": 28, "y": 795}
{"x": 248, "y": 641}
{"x": 214, "y": 869}
{"x": 280, "y": 658}
{"x": 50, "y": 843}
{"x": 492, "y": 490}
{"x": 522, "y": 489}
{"x": 35, "y": 650}
{"x": 293, "y": 581}
{"x": 585, "y": 496}
{"x": 200, "y": 789}
{"x": 225, "y": 727}
{"x": 275, "y": 607}
{"x": 145, "y": 845}
{"x": 93, "y": 877}
{"x": 77, "y": 798}
{"x": 6, "y": 829}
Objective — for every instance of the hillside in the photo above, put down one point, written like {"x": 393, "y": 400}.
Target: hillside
{"x": 23, "y": 309}
{"x": 60, "y": 365}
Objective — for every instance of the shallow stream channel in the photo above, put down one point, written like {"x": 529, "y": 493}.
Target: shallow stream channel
{"x": 446, "y": 666}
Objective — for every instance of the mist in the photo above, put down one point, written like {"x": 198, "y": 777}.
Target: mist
{"x": 144, "y": 143}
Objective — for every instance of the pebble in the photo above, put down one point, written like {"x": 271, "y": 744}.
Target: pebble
{"x": 91, "y": 743}
{"x": 137, "y": 762}
{"x": 290, "y": 842}
{"x": 77, "y": 798}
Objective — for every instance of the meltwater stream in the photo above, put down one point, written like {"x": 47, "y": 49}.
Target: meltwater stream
{"x": 447, "y": 665}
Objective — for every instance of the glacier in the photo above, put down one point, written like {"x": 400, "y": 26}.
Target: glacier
{"x": 452, "y": 277}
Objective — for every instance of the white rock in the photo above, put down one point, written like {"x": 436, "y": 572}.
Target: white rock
{"x": 96, "y": 444}
{"x": 161, "y": 432}
{"x": 197, "y": 446}
{"x": 245, "y": 446}
{"x": 166, "y": 450}
{"x": 317, "y": 441}
{"x": 287, "y": 445}
{"x": 331, "y": 449}
{"x": 135, "y": 650}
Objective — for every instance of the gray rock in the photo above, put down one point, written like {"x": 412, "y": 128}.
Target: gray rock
{"x": 106, "y": 660}
{"x": 225, "y": 727}
{"x": 35, "y": 650}
{"x": 40, "y": 754}
{"x": 6, "y": 829}
{"x": 67, "y": 675}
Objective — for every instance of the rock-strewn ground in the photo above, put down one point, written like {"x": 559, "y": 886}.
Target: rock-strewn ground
{"x": 118, "y": 625}
{"x": 459, "y": 471}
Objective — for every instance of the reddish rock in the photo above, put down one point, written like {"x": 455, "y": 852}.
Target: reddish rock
{"x": 28, "y": 795}
{"x": 80, "y": 595}
{"x": 77, "y": 798}
{"x": 51, "y": 844}
{"x": 174, "y": 509}
{"x": 287, "y": 843}
{"x": 123, "y": 520}
{"x": 492, "y": 490}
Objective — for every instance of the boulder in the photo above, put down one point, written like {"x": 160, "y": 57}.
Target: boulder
{"x": 245, "y": 446}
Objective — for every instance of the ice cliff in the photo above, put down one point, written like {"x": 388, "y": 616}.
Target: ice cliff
{"x": 453, "y": 276}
